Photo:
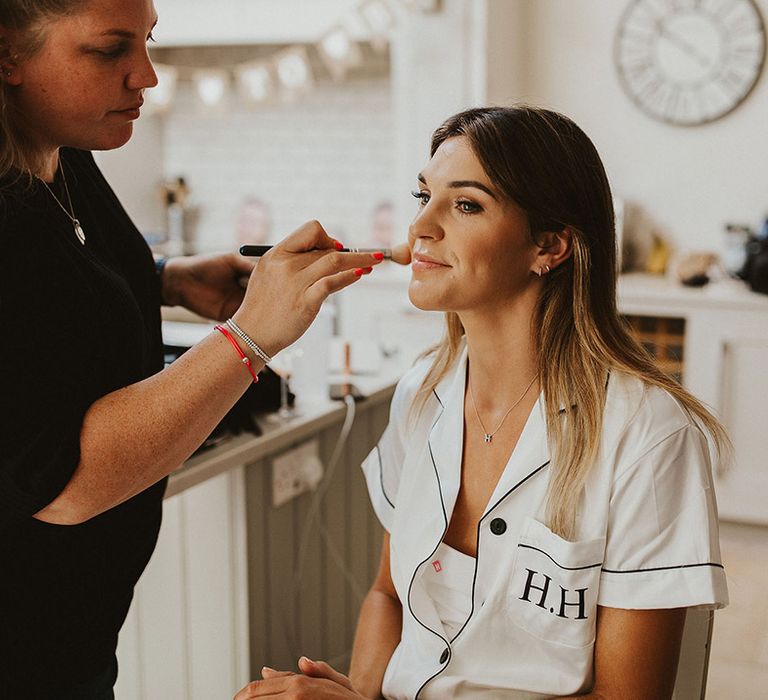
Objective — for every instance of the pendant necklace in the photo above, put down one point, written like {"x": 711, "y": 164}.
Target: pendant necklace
{"x": 488, "y": 437}
{"x": 71, "y": 213}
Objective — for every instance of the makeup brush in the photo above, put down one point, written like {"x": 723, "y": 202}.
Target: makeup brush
{"x": 400, "y": 254}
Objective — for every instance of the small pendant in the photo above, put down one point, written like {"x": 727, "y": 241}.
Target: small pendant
{"x": 79, "y": 232}
{"x": 488, "y": 438}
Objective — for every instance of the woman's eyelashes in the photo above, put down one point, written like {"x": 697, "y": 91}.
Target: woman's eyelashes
{"x": 462, "y": 205}
{"x": 465, "y": 206}
{"x": 111, "y": 52}
{"x": 117, "y": 51}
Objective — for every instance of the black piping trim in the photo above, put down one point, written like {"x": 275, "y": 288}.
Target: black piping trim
{"x": 381, "y": 478}
{"x": 440, "y": 489}
{"x": 477, "y": 546}
{"x": 663, "y": 568}
{"x": 567, "y": 568}
{"x": 413, "y": 577}
{"x": 519, "y": 483}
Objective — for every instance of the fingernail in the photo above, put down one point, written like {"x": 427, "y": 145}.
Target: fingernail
{"x": 304, "y": 658}
{"x": 339, "y": 246}
{"x": 378, "y": 256}
{"x": 267, "y": 668}
{"x": 367, "y": 270}
{"x": 359, "y": 271}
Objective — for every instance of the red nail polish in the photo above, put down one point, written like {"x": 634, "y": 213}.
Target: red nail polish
{"x": 367, "y": 270}
{"x": 339, "y": 246}
{"x": 378, "y": 256}
{"x": 359, "y": 271}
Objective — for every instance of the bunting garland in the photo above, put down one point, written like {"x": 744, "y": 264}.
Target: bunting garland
{"x": 288, "y": 73}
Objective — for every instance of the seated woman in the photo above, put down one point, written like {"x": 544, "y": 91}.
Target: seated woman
{"x": 546, "y": 491}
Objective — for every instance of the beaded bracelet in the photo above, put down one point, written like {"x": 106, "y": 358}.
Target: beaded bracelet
{"x": 249, "y": 341}
{"x": 246, "y": 360}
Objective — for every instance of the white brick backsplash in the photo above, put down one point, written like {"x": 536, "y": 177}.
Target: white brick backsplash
{"x": 329, "y": 155}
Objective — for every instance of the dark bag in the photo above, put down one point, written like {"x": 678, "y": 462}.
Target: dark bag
{"x": 755, "y": 270}
{"x": 263, "y": 397}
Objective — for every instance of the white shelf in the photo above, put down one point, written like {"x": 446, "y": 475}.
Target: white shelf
{"x": 637, "y": 290}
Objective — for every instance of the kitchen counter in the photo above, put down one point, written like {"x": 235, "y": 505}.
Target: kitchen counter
{"x": 279, "y": 434}
{"x": 309, "y": 419}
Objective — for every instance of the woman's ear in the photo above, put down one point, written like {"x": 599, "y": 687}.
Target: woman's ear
{"x": 555, "y": 247}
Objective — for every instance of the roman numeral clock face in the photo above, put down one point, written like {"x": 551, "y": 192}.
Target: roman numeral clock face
{"x": 689, "y": 62}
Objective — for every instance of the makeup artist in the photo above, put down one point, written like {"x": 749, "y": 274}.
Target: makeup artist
{"x": 91, "y": 424}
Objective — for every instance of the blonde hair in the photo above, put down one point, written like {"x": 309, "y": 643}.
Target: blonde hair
{"x": 27, "y": 20}
{"x": 548, "y": 166}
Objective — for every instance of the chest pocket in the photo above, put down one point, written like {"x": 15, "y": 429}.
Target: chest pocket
{"x": 553, "y": 593}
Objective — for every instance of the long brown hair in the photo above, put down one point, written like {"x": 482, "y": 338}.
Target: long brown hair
{"x": 26, "y": 19}
{"x": 548, "y": 166}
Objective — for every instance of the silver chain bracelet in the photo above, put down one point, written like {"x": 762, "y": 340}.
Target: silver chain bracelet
{"x": 248, "y": 341}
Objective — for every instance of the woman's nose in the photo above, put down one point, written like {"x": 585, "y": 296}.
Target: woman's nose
{"x": 425, "y": 225}
{"x": 142, "y": 75}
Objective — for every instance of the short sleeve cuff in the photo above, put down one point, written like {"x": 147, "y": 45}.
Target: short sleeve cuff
{"x": 693, "y": 585}
{"x": 383, "y": 505}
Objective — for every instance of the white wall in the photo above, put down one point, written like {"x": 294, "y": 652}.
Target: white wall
{"x": 135, "y": 170}
{"x": 690, "y": 181}
{"x": 204, "y": 22}
{"x": 438, "y": 68}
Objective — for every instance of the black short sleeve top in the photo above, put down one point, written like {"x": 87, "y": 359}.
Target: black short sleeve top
{"x": 78, "y": 322}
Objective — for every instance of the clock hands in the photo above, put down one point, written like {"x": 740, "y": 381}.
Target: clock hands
{"x": 682, "y": 43}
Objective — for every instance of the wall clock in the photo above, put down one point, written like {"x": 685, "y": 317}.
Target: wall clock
{"x": 689, "y": 62}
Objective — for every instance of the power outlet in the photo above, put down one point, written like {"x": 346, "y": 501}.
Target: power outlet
{"x": 295, "y": 472}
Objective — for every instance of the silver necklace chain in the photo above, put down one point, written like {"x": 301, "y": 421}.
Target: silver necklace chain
{"x": 488, "y": 437}
{"x": 71, "y": 213}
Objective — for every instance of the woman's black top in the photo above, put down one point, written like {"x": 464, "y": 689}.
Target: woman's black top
{"x": 78, "y": 322}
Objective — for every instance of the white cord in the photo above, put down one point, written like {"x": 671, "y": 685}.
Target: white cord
{"x": 312, "y": 515}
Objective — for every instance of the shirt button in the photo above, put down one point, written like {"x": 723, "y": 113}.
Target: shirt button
{"x": 498, "y": 526}
{"x": 444, "y": 656}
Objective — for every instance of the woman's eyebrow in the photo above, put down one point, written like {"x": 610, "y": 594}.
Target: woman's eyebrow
{"x": 464, "y": 183}
{"x": 125, "y": 33}
{"x": 472, "y": 183}
{"x": 119, "y": 32}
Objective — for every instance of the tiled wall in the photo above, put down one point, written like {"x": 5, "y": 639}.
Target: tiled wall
{"x": 328, "y": 155}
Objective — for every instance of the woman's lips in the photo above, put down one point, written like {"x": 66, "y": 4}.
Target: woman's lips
{"x": 131, "y": 112}
{"x": 424, "y": 262}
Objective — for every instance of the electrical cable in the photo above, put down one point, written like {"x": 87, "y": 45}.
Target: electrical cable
{"x": 312, "y": 516}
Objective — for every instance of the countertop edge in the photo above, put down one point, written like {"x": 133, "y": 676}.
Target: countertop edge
{"x": 246, "y": 448}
